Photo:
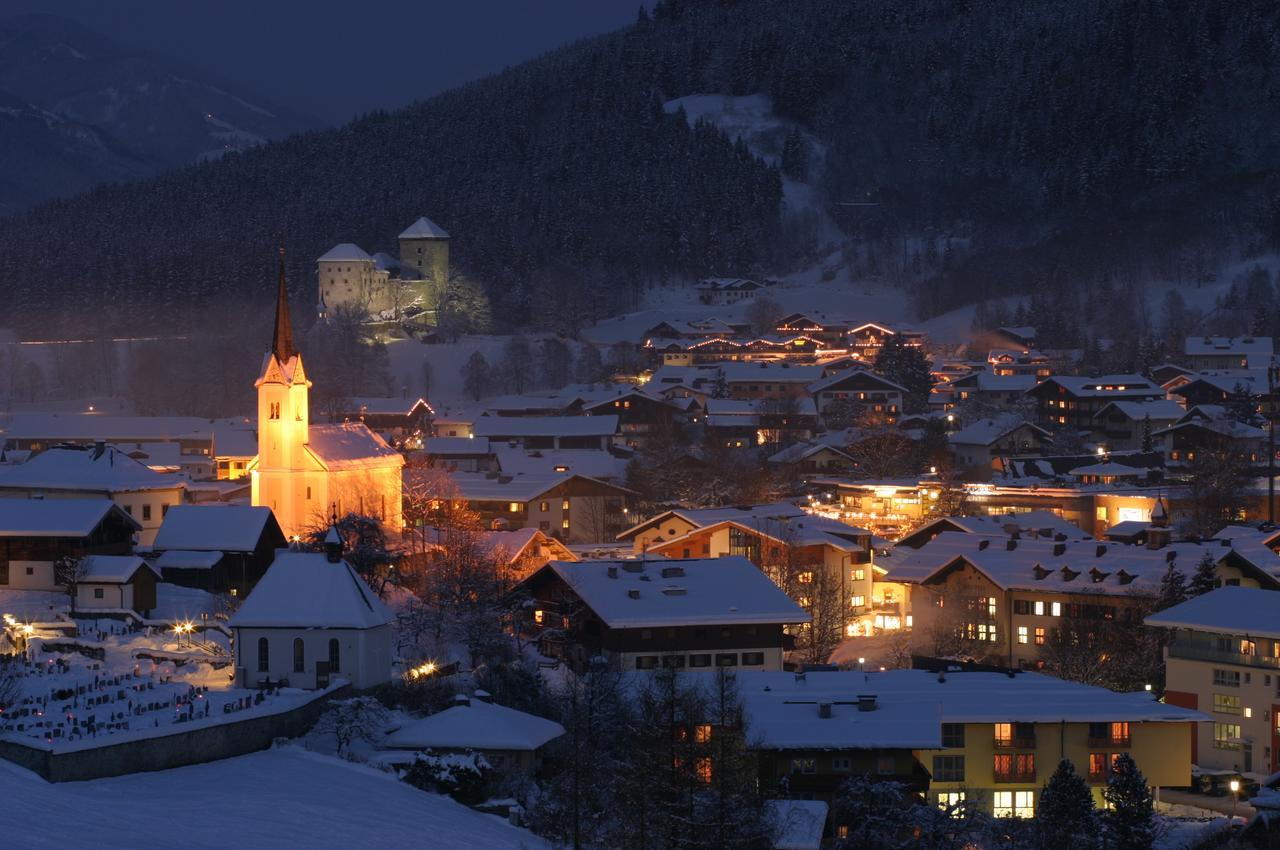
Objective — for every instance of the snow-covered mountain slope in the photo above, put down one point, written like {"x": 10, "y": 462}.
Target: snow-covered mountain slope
{"x": 161, "y": 113}
{"x": 43, "y": 154}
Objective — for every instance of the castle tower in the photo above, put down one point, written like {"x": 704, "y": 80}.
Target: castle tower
{"x": 282, "y": 479}
{"x": 424, "y": 247}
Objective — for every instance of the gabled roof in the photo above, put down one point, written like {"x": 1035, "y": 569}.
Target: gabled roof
{"x": 855, "y": 377}
{"x": 1247, "y": 345}
{"x": 485, "y": 487}
{"x": 344, "y": 251}
{"x": 57, "y": 517}
{"x": 760, "y": 406}
{"x": 652, "y": 594}
{"x": 987, "y": 382}
{"x": 478, "y": 726}
{"x": 107, "y": 469}
{"x": 749, "y": 514}
{"x": 113, "y": 569}
{"x": 384, "y": 406}
{"x": 498, "y": 427}
{"x": 1029, "y": 523}
{"x": 1226, "y": 610}
{"x": 455, "y": 446}
{"x": 594, "y": 463}
{"x": 215, "y": 528}
{"x": 1159, "y": 409}
{"x": 1108, "y": 469}
{"x": 1227, "y": 381}
{"x": 803, "y": 451}
{"x": 305, "y": 590}
{"x": 350, "y": 445}
{"x": 984, "y": 432}
{"x": 794, "y": 531}
{"x": 424, "y": 228}
{"x": 1121, "y": 386}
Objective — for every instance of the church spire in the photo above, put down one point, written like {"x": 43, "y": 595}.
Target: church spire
{"x": 282, "y": 343}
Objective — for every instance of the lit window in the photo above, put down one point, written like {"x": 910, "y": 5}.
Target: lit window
{"x": 858, "y": 601}
{"x": 1039, "y": 636}
{"x": 1039, "y": 608}
{"x": 544, "y": 506}
{"x": 702, "y": 733}
{"x": 702, "y": 767}
{"x": 538, "y": 616}
{"x": 514, "y": 507}
{"x": 804, "y": 766}
{"x": 1022, "y": 634}
{"x": 951, "y": 801}
{"x": 805, "y": 577}
{"x": 859, "y": 575}
{"x": 564, "y": 504}
{"x": 564, "y": 523}
{"x": 1056, "y": 609}
{"x": 1014, "y": 804}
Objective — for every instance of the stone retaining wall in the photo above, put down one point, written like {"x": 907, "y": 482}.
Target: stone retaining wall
{"x": 191, "y": 745}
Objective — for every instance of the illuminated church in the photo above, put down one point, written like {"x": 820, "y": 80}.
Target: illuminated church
{"x": 305, "y": 472}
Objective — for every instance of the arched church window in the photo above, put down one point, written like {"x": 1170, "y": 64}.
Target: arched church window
{"x": 299, "y": 662}
{"x": 275, "y": 410}
{"x": 264, "y": 655}
{"x": 334, "y": 656}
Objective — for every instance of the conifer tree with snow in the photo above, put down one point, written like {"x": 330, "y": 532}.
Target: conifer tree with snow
{"x": 1173, "y": 588}
{"x": 908, "y": 366}
{"x": 1148, "y": 443}
{"x": 1130, "y": 821}
{"x": 1204, "y": 579}
{"x": 1066, "y": 818}
{"x": 477, "y": 377}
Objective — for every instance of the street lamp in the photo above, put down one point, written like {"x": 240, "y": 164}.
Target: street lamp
{"x": 1235, "y": 789}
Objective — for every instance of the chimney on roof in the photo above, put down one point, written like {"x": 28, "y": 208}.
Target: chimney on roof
{"x": 672, "y": 572}
{"x": 333, "y": 545}
{"x": 633, "y": 593}
{"x": 867, "y": 702}
{"x": 1059, "y": 549}
{"x": 1100, "y": 550}
{"x": 824, "y": 710}
{"x": 983, "y": 543}
{"x": 613, "y": 571}
{"x": 462, "y": 699}
{"x": 1011, "y": 544}
{"x": 98, "y": 448}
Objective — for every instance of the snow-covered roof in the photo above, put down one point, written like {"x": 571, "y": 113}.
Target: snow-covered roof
{"x": 344, "y": 251}
{"x": 984, "y": 432}
{"x": 760, "y": 406}
{"x": 112, "y": 569}
{"x": 305, "y": 590}
{"x": 802, "y": 451}
{"x": 1075, "y": 566}
{"x": 804, "y": 530}
{"x": 350, "y": 445}
{"x": 424, "y": 228}
{"x": 1159, "y": 409}
{"x": 209, "y": 528}
{"x": 1246, "y": 345}
{"x": 698, "y": 591}
{"x": 455, "y": 446}
{"x": 108, "y": 470}
{"x": 383, "y": 406}
{"x": 1105, "y": 386}
{"x": 234, "y": 438}
{"x": 486, "y": 487}
{"x": 738, "y": 372}
{"x": 55, "y": 517}
{"x": 726, "y": 283}
{"x": 92, "y": 426}
{"x": 1020, "y": 331}
{"x": 1108, "y": 469}
{"x": 478, "y": 726}
{"x": 1027, "y": 523}
{"x": 594, "y": 463}
{"x": 856, "y": 377}
{"x": 187, "y": 559}
{"x": 797, "y": 824}
{"x": 1227, "y": 381}
{"x": 702, "y": 517}
{"x": 499, "y": 427}
{"x": 1128, "y": 528}
{"x": 1226, "y": 610}
{"x": 912, "y": 705}
{"x": 987, "y": 382}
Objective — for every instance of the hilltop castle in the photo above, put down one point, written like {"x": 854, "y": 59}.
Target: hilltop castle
{"x": 385, "y": 286}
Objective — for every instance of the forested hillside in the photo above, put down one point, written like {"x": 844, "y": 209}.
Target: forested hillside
{"x": 972, "y": 149}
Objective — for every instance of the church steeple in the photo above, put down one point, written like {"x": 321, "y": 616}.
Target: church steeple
{"x": 282, "y": 342}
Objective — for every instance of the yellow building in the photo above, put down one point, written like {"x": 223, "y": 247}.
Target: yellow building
{"x": 306, "y": 472}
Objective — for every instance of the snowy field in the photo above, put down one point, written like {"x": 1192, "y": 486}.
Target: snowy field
{"x": 279, "y": 798}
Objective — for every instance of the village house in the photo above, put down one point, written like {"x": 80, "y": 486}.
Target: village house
{"x": 978, "y": 446}
{"x": 1208, "y": 428}
{"x": 398, "y": 417}
{"x": 1074, "y": 401}
{"x": 458, "y": 454}
{"x": 726, "y": 290}
{"x": 671, "y": 524}
{"x": 36, "y": 533}
{"x": 550, "y": 432}
{"x": 810, "y": 457}
{"x": 1002, "y": 599}
{"x": 641, "y": 416}
{"x": 1126, "y": 425}
{"x": 864, "y": 392}
{"x": 644, "y": 615}
{"x": 832, "y": 333}
{"x": 769, "y": 348}
{"x": 692, "y": 330}
{"x": 998, "y": 391}
{"x": 114, "y": 584}
{"x": 1239, "y": 387}
{"x": 988, "y": 739}
{"x": 570, "y": 507}
{"x": 99, "y": 471}
{"x": 1007, "y": 363}
{"x": 608, "y": 466}
{"x": 1218, "y": 352}
{"x": 312, "y": 619}
{"x": 217, "y": 548}
{"x": 511, "y": 741}
{"x": 1224, "y": 660}
{"x": 866, "y": 340}
{"x": 745, "y": 423}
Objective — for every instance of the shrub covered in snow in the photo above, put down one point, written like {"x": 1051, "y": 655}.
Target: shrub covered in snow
{"x": 463, "y": 776}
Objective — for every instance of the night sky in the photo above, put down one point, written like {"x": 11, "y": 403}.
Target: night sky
{"x": 338, "y": 58}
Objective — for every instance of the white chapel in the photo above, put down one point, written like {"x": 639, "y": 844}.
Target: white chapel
{"x": 306, "y": 472}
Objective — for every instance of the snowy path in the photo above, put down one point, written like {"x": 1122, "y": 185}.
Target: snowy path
{"x": 279, "y": 798}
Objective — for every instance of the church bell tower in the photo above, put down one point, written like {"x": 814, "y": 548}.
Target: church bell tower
{"x": 280, "y": 480}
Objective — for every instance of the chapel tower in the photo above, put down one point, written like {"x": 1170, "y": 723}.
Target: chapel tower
{"x": 281, "y": 480}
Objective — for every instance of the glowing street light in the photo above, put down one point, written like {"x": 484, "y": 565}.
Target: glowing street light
{"x": 1235, "y": 790}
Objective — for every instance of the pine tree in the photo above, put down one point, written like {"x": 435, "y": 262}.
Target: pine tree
{"x": 1130, "y": 822}
{"x": 1148, "y": 444}
{"x": 476, "y": 376}
{"x": 1065, "y": 817}
{"x": 1173, "y": 588}
{"x": 909, "y": 367}
{"x": 1204, "y": 579}
{"x": 795, "y": 155}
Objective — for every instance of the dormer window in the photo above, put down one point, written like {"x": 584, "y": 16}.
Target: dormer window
{"x": 274, "y": 410}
